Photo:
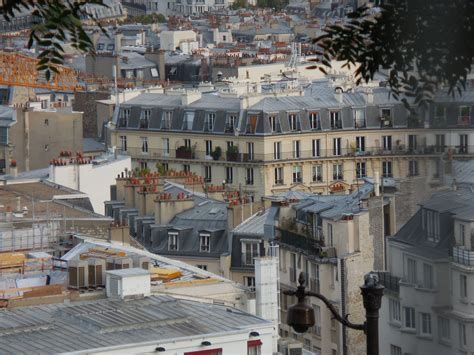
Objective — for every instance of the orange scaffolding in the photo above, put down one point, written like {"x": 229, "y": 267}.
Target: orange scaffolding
{"x": 20, "y": 70}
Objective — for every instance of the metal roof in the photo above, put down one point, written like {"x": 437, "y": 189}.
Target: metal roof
{"x": 128, "y": 272}
{"x": 82, "y": 326}
{"x": 253, "y": 225}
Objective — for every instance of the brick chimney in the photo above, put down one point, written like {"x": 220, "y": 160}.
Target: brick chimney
{"x": 167, "y": 207}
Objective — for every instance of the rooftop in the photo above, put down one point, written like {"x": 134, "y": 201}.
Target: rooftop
{"x": 103, "y": 323}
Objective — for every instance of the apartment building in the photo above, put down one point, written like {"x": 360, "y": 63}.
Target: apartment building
{"x": 320, "y": 141}
{"x": 429, "y": 286}
{"x": 197, "y": 7}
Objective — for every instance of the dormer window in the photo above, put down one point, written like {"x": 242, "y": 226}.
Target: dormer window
{"x": 274, "y": 126}
{"x": 188, "y": 120}
{"x": 314, "y": 120}
{"x": 359, "y": 118}
{"x": 251, "y": 124}
{"x": 386, "y": 117}
{"x": 209, "y": 122}
{"x": 167, "y": 120}
{"x": 124, "y": 117}
{"x": 430, "y": 223}
{"x": 145, "y": 119}
{"x": 293, "y": 121}
{"x": 250, "y": 250}
{"x": 173, "y": 241}
{"x": 231, "y": 123}
{"x": 204, "y": 242}
{"x": 336, "y": 121}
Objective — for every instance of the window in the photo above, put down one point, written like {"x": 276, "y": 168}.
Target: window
{"x": 249, "y": 176}
{"x": 279, "y": 176}
{"x": 463, "y": 286}
{"x": 125, "y": 115}
{"x": 413, "y": 168}
{"x": 410, "y": 321}
{"x": 207, "y": 173}
{"x": 440, "y": 113}
{"x": 394, "y": 307}
{"x": 208, "y": 148}
{"x": 317, "y": 173}
{"x": 386, "y": 169}
{"x": 252, "y": 124}
{"x": 274, "y": 126}
{"x": 204, "y": 243}
{"x": 411, "y": 271}
{"x": 360, "y": 144}
{"x": 464, "y": 115}
{"x": 430, "y": 224}
{"x": 250, "y": 250}
{"x": 249, "y": 281}
{"x": 440, "y": 145}
{"x": 186, "y": 168}
{"x": 462, "y": 234}
{"x": 314, "y": 120}
{"x": 360, "y": 170}
{"x": 395, "y": 350}
{"x": 166, "y": 146}
{"x": 387, "y": 143}
{"x": 293, "y": 121}
{"x": 187, "y": 143}
{"x": 276, "y": 150}
{"x": 297, "y": 176}
{"x": 336, "y": 146}
{"x": 123, "y": 143}
{"x": 336, "y": 122}
{"x": 250, "y": 151}
{"x": 296, "y": 149}
{"x": 462, "y": 335}
{"x": 463, "y": 143}
{"x": 143, "y": 165}
{"x": 231, "y": 123}
{"x": 359, "y": 118}
{"x": 428, "y": 276}
{"x": 444, "y": 329}
{"x": 202, "y": 267}
{"x": 330, "y": 240}
{"x": 173, "y": 241}
{"x": 337, "y": 172}
{"x": 425, "y": 321}
{"x": 145, "y": 119}
{"x": 412, "y": 144}
{"x": 317, "y": 320}
{"x": 386, "y": 114}
{"x": 188, "y": 120}
{"x": 144, "y": 144}
{"x": 167, "y": 121}
{"x": 209, "y": 122}
{"x": 316, "y": 147}
{"x": 229, "y": 175}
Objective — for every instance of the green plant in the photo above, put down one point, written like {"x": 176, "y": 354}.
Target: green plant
{"x": 216, "y": 154}
{"x": 183, "y": 149}
{"x": 160, "y": 168}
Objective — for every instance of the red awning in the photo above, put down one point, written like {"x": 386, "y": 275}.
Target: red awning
{"x": 254, "y": 343}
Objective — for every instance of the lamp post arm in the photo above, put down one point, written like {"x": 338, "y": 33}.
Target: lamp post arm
{"x": 344, "y": 320}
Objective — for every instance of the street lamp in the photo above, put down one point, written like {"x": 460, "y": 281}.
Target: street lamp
{"x": 301, "y": 316}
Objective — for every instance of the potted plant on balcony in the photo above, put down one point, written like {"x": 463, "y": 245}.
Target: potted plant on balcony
{"x": 216, "y": 153}
{"x": 184, "y": 152}
{"x": 233, "y": 153}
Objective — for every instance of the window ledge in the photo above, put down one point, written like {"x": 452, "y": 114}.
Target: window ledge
{"x": 423, "y": 289}
{"x": 425, "y": 336}
{"x": 395, "y": 324}
{"x": 408, "y": 330}
{"x": 464, "y": 301}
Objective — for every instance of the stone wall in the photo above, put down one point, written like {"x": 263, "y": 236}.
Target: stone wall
{"x": 376, "y": 229}
{"x": 86, "y": 102}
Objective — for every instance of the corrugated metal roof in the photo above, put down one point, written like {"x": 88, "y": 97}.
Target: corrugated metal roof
{"x": 96, "y": 324}
{"x": 253, "y": 225}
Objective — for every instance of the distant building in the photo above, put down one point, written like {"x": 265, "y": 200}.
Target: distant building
{"x": 430, "y": 279}
{"x": 36, "y": 134}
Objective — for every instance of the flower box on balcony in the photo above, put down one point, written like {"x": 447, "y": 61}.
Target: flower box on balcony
{"x": 184, "y": 153}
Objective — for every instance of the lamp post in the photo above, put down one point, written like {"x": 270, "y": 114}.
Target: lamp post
{"x": 301, "y": 315}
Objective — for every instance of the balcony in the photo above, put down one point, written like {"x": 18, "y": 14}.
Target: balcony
{"x": 464, "y": 121}
{"x": 463, "y": 256}
{"x": 184, "y": 153}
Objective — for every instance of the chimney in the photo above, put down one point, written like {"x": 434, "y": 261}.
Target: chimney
{"x": 369, "y": 96}
{"x": 166, "y": 207}
{"x": 338, "y": 94}
{"x": 377, "y": 183}
{"x": 190, "y": 96}
{"x": 18, "y": 204}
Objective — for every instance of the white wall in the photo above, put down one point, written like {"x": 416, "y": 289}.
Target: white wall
{"x": 229, "y": 342}
{"x": 93, "y": 180}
